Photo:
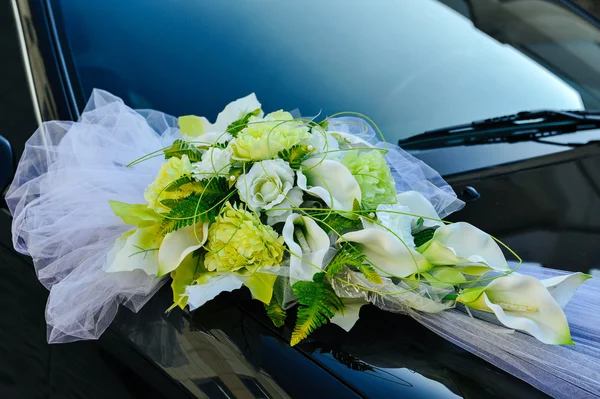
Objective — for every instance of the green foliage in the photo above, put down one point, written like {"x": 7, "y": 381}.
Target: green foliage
{"x": 235, "y": 127}
{"x": 295, "y": 155}
{"x": 424, "y": 236}
{"x": 187, "y": 211}
{"x": 350, "y": 256}
{"x": 318, "y": 303}
{"x": 275, "y": 312}
{"x": 216, "y": 186}
{"x": 333, "y": 221}
{"x": 324, "y": 124}
{"x": 181, "y": 147}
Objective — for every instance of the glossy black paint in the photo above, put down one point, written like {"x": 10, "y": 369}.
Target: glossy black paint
{"x": 540, "y": 207}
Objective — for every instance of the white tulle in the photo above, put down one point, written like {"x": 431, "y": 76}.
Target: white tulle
{"x": 62, "y": 219}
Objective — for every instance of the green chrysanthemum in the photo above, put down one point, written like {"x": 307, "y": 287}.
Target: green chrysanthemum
{"x": 238, "y": 240}
{"x": 373, "y": 176}
{"x": 264, "y": 138}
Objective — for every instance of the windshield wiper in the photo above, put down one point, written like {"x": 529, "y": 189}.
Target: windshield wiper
{"x": 524, "y": 126}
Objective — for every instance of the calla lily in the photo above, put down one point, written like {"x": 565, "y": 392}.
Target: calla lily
{"x": 562, "y": 288}
{"x": 209, "y": 286}
{"x": 194, "y": 127}
{"x": 308, "y": 244}
{"x": 261, "y": 286}
{"x": 463, "y": 244}
{"x": 522, "y": 303}
{"x": 179, "y": 244}
{"x": 387, "y": 254}
{"x": 331, "y": 181}
{"x": 135, "y": 214}
{"x": 186, "y": 273}
{"x": 350, "y": 315}
{"x": 136, "y": 249}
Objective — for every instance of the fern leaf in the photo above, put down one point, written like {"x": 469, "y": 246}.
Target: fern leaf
{"x": 295, "y": 155}
{"x": 186, "y": 212}
{"x": 349, "y": 256}
{"x": 213, "y": 186}
{"x": 318, "y": 303}
{"x": 235, "y": 127}
{"x": 334, "y": 221}
{"x": 275, "y": 312}
{"x": 424, "y": 236}
{"x": 370, "y": 273}
{"x": 181, "y": 147}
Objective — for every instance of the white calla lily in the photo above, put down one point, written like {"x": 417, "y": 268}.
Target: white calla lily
{"x": 350, "y": 315}
{"x": 331, "y": 181}
{"x": 420, "y": 206}
{"x": 308, "y": 244}
{"x": 562, "y": 288}
{"x": 136, "y": 249}
{"x": 522, "y": 303}
{"x": 196, "y": 128}
{"x": 463, "y": 244}
{"x": 179, "y": 244}
{"x": 387, "y": 254}
{"x": 211, "y": 285}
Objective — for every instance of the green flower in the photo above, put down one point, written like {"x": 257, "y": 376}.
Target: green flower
{"x": 238, "y": 240}
{"x": 264, "y": 138}
{"x": 373, "y": 175}
{"x": 170, "y": 171}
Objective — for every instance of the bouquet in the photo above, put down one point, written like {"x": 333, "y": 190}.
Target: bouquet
{"x": 318, "y": 216}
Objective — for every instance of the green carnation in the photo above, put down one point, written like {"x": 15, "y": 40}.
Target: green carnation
{"x": 264, "y": 138}
{"x": 238, "y": 240}
{"x": 373, "y": 175}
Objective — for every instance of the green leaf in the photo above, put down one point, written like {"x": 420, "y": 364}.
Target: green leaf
{"x": 275, "y": 312}
{"x": 235, "y": 127}
{"x": 186, "y": 212}
{"x": 333, "y": 221}
{"x": 324, "y": 124}
{"x": 216, "y": 186}
{"x": 181, "y": 147}
{"x": 136, "y": 214}
{"x": 261, "y": 286}
{"x": 186, "y": 273}
{"x": 295, "y": 155}
{"x": 424, "y": 236}
{"x": 350, "y": 256}
{"x": 318, "y": 303}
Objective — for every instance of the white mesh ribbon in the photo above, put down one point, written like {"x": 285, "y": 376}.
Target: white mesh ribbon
{"x": 62, "y": 219}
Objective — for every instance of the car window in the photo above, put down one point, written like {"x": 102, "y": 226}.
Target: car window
{"x": 410, "y": 65}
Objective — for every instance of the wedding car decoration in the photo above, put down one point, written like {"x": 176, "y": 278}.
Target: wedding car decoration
{"x": 308, "y": 215}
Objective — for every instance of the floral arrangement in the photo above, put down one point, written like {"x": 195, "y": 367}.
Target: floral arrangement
{"x": 301, "y": 214}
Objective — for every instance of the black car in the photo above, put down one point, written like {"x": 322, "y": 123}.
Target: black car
{"x": 413, "y": 67}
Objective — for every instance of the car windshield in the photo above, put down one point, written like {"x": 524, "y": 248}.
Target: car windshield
{"x": 411, "y": 66}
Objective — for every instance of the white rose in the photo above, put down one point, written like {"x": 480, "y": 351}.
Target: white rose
{"x": 293, "y": 200}
{"x": 266, "y": 184}
{"x": 215, "y": 161}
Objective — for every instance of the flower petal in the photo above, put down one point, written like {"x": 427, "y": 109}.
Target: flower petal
{"x": 179, "y": 244}
{"x": 562, "y": 288}
{"x": 210, "y": 287}
{"x": 192, "y": 126}
{"x": 293, "y": 200}
{"x": 305, "y": 262}
{"x": 387, "y": 253}
{"x": 419, "y": 205}
{"x": 136, "y": 214}
{"x": 523, "y": 303}
{"x": 183, "y": 276}
{"x": 331, "y": 181}
{"x": 135, "y": 249}
{"x": 463, "y": 244}
{"x": 348, "y": 317}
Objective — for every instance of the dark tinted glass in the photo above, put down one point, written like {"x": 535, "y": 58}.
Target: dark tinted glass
{"x": 410, "y": 65}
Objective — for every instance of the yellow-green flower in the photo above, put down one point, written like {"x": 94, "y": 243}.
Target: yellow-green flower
{"x": 264, "y": 138}
{"x": 170, "y": 171}
{"x": 238, "y": 240}
{"x": 373, "y": 175}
